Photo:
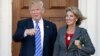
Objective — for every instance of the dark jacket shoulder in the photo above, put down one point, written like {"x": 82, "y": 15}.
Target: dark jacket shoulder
{"x": 25, "y": 20}
{"x": 48, "y": 22}
{"x": 83, "y": 30}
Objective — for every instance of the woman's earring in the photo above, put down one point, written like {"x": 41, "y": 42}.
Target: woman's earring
{"x": 76, "y": 19}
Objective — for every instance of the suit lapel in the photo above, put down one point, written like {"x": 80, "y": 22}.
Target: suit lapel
{"x": 46, "y": 27}
{"x": 30, "y": 23}
{"x": 75, "y": 36}
{"x": 63, "y": 36}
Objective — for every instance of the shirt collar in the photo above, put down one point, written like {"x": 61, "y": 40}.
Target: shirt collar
{"x": 40, "y": 21}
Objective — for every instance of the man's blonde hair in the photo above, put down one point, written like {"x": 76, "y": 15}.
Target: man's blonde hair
{"x": 36, "y": 2}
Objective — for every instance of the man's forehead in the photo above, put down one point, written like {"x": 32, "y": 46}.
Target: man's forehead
{"x": 36, "y": 6}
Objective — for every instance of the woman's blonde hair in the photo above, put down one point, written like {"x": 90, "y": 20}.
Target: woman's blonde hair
{"x": 77, "y": 13}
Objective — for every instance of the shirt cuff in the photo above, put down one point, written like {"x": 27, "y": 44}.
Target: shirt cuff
{"x": 25, "y": 34}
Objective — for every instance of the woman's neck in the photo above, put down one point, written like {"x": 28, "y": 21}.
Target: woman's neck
{"x": 71, "y": 29}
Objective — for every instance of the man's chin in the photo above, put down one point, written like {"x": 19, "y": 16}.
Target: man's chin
{"x": 36, "y": 19}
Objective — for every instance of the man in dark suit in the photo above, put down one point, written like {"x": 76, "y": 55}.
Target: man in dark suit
{"x": 26, "y": 32}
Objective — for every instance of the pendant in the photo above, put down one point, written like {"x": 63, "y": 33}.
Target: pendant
{"x": 68, "y": 38}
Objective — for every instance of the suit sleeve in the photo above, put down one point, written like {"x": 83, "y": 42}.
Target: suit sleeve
{"x": 87, "y": 48}
{"x": 19, "y": 34}
{"x": 53, "y": 38}
{"x": 54, "y": 34}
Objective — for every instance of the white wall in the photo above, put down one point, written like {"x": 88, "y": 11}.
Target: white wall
{"x": 98, "y": 29}
{"x": 89, "y": 9}
{"x": 83, "y": 8}
{"x": 5, "y": 27}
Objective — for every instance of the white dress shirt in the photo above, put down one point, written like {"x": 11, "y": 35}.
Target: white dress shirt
{"x": 41, "y": 25}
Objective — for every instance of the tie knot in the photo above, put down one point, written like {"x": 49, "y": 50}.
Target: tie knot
{"x": 37, "y": 25}
{"x": 36, "y": 22}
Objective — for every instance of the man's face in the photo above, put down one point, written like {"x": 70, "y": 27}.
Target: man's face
{"x": 36, "y": 12}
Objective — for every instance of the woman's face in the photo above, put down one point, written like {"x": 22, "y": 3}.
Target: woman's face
{"x": 71, "y": 18}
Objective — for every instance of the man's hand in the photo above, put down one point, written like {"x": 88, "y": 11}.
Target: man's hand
{"x": 30, "y": 32}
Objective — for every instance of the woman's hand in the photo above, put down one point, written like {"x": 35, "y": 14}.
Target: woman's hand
{"x": 77, "y": 43}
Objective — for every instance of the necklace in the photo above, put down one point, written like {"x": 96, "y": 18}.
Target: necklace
{"x": 68, "y": 38}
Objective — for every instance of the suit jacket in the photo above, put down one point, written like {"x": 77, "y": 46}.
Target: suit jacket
{"x": 28, "y": 42}
{"x": 80, "y": 34}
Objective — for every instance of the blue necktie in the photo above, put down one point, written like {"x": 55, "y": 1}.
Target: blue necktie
{"x": 38, "y": 49}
